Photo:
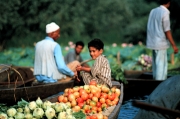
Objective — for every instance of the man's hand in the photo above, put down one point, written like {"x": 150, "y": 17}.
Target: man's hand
{"x": 175, "y": 49}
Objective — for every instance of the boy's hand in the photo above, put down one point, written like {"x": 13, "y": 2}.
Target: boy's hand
{"x": 78, "y": 68}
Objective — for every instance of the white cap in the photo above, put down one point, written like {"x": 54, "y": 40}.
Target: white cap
{"x": 51, "y": 27}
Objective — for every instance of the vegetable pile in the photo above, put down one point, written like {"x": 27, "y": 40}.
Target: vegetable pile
{"x": 91, "y": 99}
{"x": 41, "y": 110}
{"x": 80, "y": 102}
{"x": 145, "y": 61}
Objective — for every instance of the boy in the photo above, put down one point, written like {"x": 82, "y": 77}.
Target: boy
{"x": 75, "y": 54}
{"x": 100, "y": 71}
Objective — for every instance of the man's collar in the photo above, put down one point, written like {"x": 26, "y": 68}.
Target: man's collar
{"x": 164, "y": 8}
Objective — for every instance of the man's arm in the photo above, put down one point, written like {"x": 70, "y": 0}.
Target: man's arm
{"x": 170, "y": 38}
{"x": 60, "y": 62}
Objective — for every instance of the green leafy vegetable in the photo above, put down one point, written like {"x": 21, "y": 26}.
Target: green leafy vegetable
{"x": 118, "y": 73}
{"x": 79, "y": 115}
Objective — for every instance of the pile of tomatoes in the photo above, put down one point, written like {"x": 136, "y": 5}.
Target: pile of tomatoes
{"x": 91, "y": 99}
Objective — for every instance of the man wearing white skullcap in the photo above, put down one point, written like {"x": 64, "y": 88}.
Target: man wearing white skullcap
{"x": 51, "y": 27}
{"x": 49, "y": 65}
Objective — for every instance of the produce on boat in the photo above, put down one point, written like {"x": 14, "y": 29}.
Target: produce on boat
{"x": 79, "y": 102}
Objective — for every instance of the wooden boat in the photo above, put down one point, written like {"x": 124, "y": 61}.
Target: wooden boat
{"x": 28, "y": 89}
{"x": 12, "y": 95}
{"x": 115, "y": 112}
{"x": 140, "y": 83}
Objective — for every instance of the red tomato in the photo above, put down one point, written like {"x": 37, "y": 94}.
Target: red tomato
{"x": 98, "y": 94}
{"x": 90, "y": 95}
{"x": 81, "y": 105}
{"x": 71, "y": 97}
{"x": 76, "y": 94}
{"x": 105, "y": 89}
{"x": 94, "y": 108}
{"x": 86, "y": 107}
{"x": 93, "y": 82}
{"x": 99, "y": 109}
{"x": 73, "y": 103}
{"x": 109, "y": 102}
{"x": 95, "y": 99}
{"x": 104, "y": 105}
{"x": 88, "y": 101}
{"x": 76, "y": 108}
{"x": 84, "y": 96}
{"x": 76, "y": 89}
{"x": 82, "y": 92}
{"x": 60, "y": 98}
{"x": 111, "y": 96}
{"x": 79, "y": 100}
{"x": 92, "y": 103}
{"x": 104, "y": 95}
{"x": 70, "y": 91}
{"x": 102, "y": 100}
{"x": 88, "y": 111}
{"x": 93, "y": 117}
{"x": 98, "y": 104}
{"x": 93, "y": 91}
{"x": 65, "y": 99}
{"x": 87, "y": 117}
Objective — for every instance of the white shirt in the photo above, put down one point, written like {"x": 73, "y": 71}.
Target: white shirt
{"x": 158, "y": 24}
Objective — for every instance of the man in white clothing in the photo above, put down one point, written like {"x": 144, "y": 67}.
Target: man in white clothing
{"x": 158, "y": 38}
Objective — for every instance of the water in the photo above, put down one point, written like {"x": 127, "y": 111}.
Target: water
{"x": 128, "y": 111}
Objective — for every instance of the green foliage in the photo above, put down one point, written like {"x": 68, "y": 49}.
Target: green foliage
{"x": 79, "y": 115}
{"x": 23, "y": 22}
{"x": 20, "y": 104}
{"x": 117, "y": 73}
{"x": 128, "y": 58}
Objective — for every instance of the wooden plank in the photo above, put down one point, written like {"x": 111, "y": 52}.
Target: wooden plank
{"x": 12, "y": 95}
{"x": 155, "y": 108}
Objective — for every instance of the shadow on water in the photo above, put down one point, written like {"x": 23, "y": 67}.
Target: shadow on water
{"x": 128, "y": 111}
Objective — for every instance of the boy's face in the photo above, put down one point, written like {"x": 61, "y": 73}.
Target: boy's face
{"x": 78, "y": 49}
{"x": 95, "y": 52}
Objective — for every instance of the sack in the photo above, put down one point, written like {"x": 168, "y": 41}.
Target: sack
{"x": 25, "y": 73}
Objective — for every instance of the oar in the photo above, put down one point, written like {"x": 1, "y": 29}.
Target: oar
{"x": 85, "y": 61}
{"x": 155, "y": 108}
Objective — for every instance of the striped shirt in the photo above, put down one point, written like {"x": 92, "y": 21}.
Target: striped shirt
{"x": 100, "y": 71}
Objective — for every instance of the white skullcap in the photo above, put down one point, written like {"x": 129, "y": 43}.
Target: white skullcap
{"x": 51, "y": 27}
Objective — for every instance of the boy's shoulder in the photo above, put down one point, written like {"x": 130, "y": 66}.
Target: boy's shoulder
{"x": 101, "y": 57}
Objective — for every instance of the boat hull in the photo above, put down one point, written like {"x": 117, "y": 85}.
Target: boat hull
{"x": 29, "y": 93}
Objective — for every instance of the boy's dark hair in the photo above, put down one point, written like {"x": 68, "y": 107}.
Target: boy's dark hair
{"x": 97, "y": 43}
{"x": 80, "y": 43}
{"x": 162, "y": 2}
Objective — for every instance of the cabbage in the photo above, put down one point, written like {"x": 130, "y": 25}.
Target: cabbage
{"x": 11, "y": 112}
{"x": 38, "y": 113}
{"x": 39, "y": 102}
{"x": 32, "y": 105}
{"x": 59, "y": 107}
{"x": 19, "y": 109}
{"x": 46, "y": 104}
{"x": 50, "y": 113}
{"x": 28, "y": 116}
{"x": 69, "y": 111}
{"x": 26, "y": 109}
{"x": 19, "y": 115}
{"x": 62, "y": 115}
{"x": 70, "y": 117}
{"x": 3, "y": 116}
